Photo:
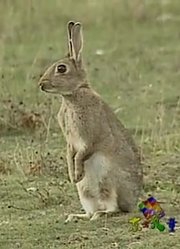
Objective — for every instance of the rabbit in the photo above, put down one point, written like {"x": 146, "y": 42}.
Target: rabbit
{"x": 102, "y": 157}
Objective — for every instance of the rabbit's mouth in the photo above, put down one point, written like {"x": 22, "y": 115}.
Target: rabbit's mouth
{"x": 46, "y": 86}
{"x": 52, "y": 90}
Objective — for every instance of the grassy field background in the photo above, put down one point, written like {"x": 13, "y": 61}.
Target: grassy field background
{"x": 132, "y": 52}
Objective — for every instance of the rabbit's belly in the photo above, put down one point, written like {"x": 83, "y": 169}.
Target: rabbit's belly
{"x": 96, "y": 167}
{"x": 95, "y": 192}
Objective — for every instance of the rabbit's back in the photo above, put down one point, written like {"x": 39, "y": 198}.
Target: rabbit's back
{"x": 126, "y": 168}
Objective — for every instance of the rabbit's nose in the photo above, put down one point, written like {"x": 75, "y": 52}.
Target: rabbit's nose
{"x": 41, "y": 85}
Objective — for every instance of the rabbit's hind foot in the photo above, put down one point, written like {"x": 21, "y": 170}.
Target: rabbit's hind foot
{"x": 100, "y": 213}
{"x": 71, "y": 217}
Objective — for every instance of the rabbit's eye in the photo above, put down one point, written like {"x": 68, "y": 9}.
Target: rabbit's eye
{"x": 61, "y": 68}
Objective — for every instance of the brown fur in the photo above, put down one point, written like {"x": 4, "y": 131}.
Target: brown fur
{"x": 102, "y": 157}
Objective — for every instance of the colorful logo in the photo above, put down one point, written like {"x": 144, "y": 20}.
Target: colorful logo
{"x": 152, "y": 212}
{"x": 172, "y": 223}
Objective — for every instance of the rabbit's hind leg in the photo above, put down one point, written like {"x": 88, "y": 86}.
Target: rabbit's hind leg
{"x": 107, "y": 203}
{"x": 88, "y": 202}
{"x": 90, "y": 207}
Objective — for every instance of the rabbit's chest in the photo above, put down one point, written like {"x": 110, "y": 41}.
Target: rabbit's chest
{"x": 70, "y": 127}
{"x": 74, "y": 138}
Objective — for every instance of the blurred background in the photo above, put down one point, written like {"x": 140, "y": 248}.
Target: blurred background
{"x": 131, "y": 50}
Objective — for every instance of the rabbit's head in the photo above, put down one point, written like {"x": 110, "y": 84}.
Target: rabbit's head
{"x": 68, "y": 74}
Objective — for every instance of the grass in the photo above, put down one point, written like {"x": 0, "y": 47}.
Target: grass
{"x": 137, "y": 73}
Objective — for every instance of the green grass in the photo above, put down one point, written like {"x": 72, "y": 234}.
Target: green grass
{"x": 137, "y": 74}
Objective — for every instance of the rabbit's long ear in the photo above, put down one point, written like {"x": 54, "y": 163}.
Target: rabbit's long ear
{"x": 69, "y": 34}
{"x": 77, "y": 41}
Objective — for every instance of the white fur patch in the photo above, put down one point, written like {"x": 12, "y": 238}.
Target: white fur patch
{"x": 96, "y": 168}
{"x": 76, "y": 141}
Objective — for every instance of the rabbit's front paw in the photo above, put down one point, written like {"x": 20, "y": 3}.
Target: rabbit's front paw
{"x": 79, "y": 175}
{"x": 72, "y": 179}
